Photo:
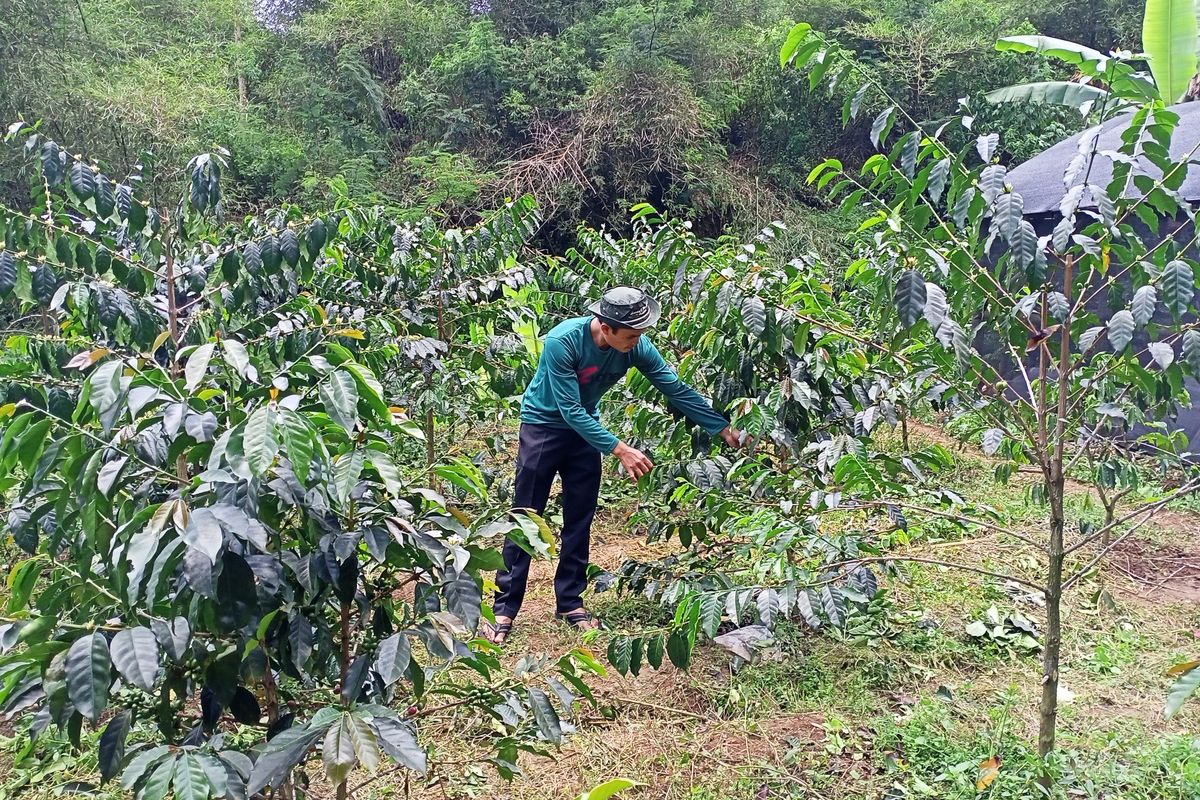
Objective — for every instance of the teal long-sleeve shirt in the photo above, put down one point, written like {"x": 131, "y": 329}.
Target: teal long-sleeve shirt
{"x": 573, "y": 374}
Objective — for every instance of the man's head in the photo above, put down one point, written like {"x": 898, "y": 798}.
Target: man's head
{"x": 624, "y": 314}
{"x": 618, "y": 336}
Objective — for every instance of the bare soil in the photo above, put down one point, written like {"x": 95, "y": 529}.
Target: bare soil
{"x": 1166, "y": 570}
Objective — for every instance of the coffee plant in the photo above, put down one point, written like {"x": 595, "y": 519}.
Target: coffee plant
{"x": 1072, "y": 343}
{"x": 232, "y": 549}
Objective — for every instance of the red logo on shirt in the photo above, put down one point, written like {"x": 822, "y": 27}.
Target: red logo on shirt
{"x": 586, "y": 374}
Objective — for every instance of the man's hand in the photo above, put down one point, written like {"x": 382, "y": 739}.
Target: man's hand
{"x": 733, "y": 437}
{"x": 635, "y": 461}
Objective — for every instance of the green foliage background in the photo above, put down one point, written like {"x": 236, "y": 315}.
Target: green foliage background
{"x": 592, "y": 105}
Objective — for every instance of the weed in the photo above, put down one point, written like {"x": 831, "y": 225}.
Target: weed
{"x": 631, "y": 611}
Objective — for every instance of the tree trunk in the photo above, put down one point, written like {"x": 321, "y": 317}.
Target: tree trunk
{"x": 1055, "y": 476}
{"x": 430, "y": 453}
{"x": 243, "y": 92}
{"x": 1048, "y": 713}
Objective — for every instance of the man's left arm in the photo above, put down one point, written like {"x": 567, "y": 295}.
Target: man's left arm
{"x": 650, "y": 363}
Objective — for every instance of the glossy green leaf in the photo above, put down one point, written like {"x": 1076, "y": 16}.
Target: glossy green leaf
{"x": 936, "y": 307}
{"x": 89, "y": 673}
{"x": 1161, "y": 353}
{"x": 203, "y": 533}
{"x": 754, "y": 314}
{"x": 22, "y": 579}
{"x": 655, "y": 648}
{"x": 369, "y": 389}
{"x": 315, "y": 236}
{"x": 83, "y": 180}
{"x": 337, "y": 751}
{"x": 796, "y": 35}
{"x": 197, "y": 366}
{"x": 392, "y": 658}
{"x": 620, "y": 648}
{"x": 260, "y": 440}
{"x": 1178, "y": 288}
{"x": 1191, "y": 351}
{"x": 937, "y": 180}
{"x": 834, "y": 605}
{"x": 238, "y": 359}
{"x": 346, "y": 471}
{"x": 387, "y": 471}
{"x": 1008, "y": 214}
{"x": 544, "y": 714}
{"x": 1120, "y": 330}
{"x": 992, "y": 182}
{"x": 158, "y": 784}
{"x": 268, "y": 248}
{"x": 282, "y": 754}
{"x": 769, "y": 607}
{"x": 191, "y": 781}
{"x": 142, "y": 764}
{"x": 45, "y": 283}
{"x": 339, "y": 394}
{"x": 712, "y": 608}
{"x": 106, "y": 198}
{"x": 289, "y": 247}
{"x": 112, "y": 745}
{"x": 463, "y": 599}
{"x": 366, "y": 743}
{"x": 679, "y": 649}
{"x": 299, "y": 442}
{"x": 910, "y": 297}
{"x": 135, "y": 655}
{"x": 8, "y": 272}
{"x": 882, "y": 126}
{"x": 399, "y": 740}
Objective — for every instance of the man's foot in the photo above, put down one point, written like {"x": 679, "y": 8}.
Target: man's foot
{"x": 580, "y": 619}
{"x": 497, "y": 632}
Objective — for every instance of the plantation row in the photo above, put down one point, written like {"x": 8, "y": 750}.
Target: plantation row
{"x": 245, "y": 469}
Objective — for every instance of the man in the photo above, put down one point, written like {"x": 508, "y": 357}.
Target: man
{"x": 561, "y": 434}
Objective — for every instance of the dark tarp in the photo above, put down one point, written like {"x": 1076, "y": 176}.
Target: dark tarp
{"x": 1040, "y": 179}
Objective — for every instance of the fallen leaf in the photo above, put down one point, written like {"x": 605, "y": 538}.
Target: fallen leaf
{"x": 1179, "y": 669}
{"x": 989, "y": 770}
{"x": 743, "y": 642}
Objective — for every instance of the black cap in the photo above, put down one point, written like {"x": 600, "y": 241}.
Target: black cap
{"x": 627, "y": 306}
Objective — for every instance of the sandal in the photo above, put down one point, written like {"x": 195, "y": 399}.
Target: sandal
{"x": 497, "y": 632}
{"x": 580, "y": 619}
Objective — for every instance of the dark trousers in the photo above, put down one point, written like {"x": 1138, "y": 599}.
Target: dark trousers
{"x": 542, "y": 453}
